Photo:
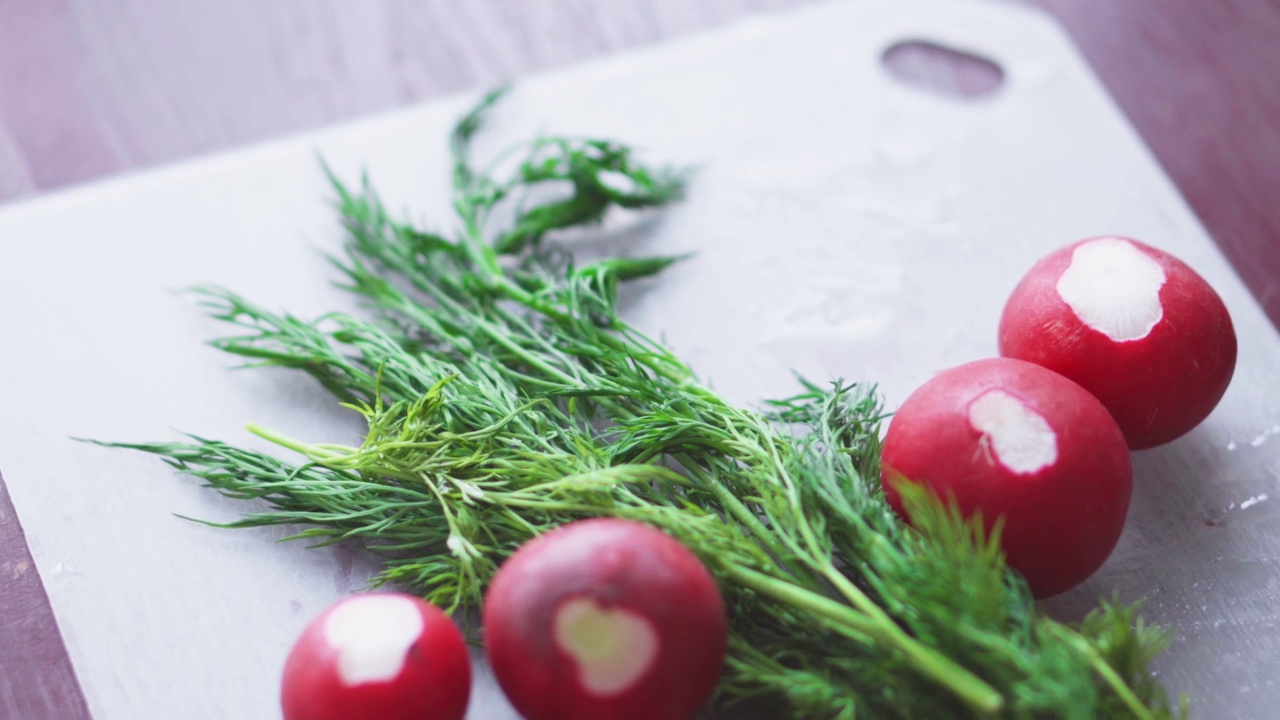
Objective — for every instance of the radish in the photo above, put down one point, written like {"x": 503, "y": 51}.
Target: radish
{"x": 1017, "y": 442}
{"x": 605, "y": 619}
{"x": 379, "y": 656}
{"x": 1131, "y": 324}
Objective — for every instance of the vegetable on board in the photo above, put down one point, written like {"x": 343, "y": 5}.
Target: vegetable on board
{"x": 505, "y": 395}
{"x": 1022, "y": 447}
{"x": 605, "y": 619}
{"x": 378, "y": 656}
{"x": 1133, "y": 325}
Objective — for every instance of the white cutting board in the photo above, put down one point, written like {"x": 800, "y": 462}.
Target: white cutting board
{"x": 844, "y": 225}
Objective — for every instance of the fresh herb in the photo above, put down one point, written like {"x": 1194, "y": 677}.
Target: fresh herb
{"x": 505, "y": 396}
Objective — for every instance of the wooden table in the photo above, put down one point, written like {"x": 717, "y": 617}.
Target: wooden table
{"x": 90, "y": 90}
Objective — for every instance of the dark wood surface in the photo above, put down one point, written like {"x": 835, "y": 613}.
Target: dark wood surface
{"x": 91, "y": 89}
{"x": 36, "y": 678}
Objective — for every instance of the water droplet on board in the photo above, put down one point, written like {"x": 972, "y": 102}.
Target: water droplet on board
{"x": 1264, "y": 436}
{"x": 1245, "y": 505}
{"x": 1217, "y": 517}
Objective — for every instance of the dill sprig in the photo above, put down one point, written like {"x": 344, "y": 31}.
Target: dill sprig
{"x": 504, "y": 395}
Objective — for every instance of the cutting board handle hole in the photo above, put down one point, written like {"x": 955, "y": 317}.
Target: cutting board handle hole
{"x": 941, "y": 70}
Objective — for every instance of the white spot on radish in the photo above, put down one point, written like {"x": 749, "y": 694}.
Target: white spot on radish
{"x": 1019, "y": 436}
{"x": 612, "y": 647}
{"x": 1114, "y": 288}
{"x": 372, "y": 635}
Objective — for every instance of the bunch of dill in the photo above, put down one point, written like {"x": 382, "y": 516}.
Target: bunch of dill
{"x": 505, "y": 396}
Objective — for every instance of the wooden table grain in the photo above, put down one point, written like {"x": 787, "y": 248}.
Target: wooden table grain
{"x": 92, "y": 89}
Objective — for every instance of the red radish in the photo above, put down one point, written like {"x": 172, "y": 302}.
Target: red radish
{"x": 605, "y": 619}
{"x": 1012, "y": 440}
{"x": 379, "y": 656}
{"x": 1134, "y": 326}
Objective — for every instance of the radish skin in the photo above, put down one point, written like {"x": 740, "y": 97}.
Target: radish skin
{"x": 1014, "y": 441}
{"x": 1133, "y": 325}
{"x": 378, "y": 656}
{"x": 605, "y": 619}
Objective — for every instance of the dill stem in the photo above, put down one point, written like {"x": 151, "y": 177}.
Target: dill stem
{"x": 828, "y": 612}
{"x": 1106, "y": 672}
{"x": 868, "y": 618}
{"x": 307, "y": 450}
{"x": 969, "y": 688}
{"x": 483, "y": 256}
{"x": 519, "y": 295}
{"x": 495, "y": 334}
{"x": 855, "y": 595}
{"x": 740, "y": 512}
{"x": 481, "y": 253}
